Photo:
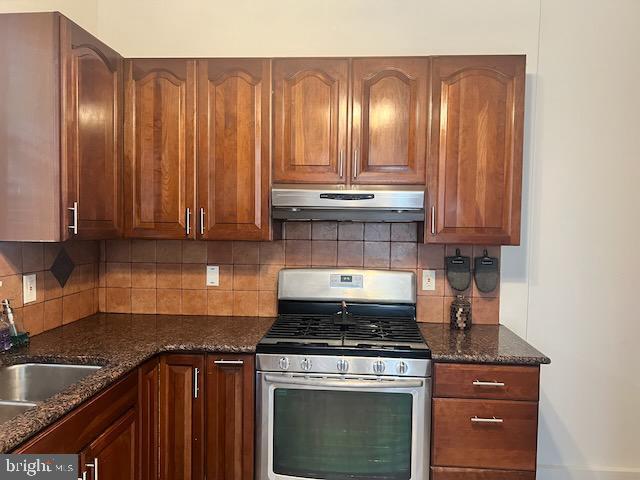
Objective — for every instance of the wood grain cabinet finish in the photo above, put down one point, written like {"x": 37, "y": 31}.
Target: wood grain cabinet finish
{"x": 497, "y": 382}
{"x": 92, "y": 124}
{"x": 181, "y": 417}
{"x": 114, "y": 451}
{"x": 459, "y": 441}
{"x": 60, "y": 131}
{"x": 149, "y": 419}
{"x": 310, "y": 120}
{"x": 448, "y": 473}
{"x": 475, "y": 157}
{"x": 160, "y": 106}
{"x": 230, "y": 417}
{"x": 79, "y": 429}
{"x": 389, "y": 125}
{"x": 233, "y": 149}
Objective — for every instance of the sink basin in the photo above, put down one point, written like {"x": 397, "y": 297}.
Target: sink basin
{"x": 8, "y": 410}
{"x": 34, "y": 382}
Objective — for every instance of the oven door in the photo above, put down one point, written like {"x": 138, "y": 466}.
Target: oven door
{"x": 339, "y": 427}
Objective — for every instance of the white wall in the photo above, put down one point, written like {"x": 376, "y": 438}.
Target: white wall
{"x": 584, "y": 229}
{"x": 83, "y": 12}
{"x": 570, "y": 288}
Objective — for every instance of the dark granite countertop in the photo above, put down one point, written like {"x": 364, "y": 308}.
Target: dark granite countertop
{"x": 119, "y": 343}
{"x": 481, "y": 344}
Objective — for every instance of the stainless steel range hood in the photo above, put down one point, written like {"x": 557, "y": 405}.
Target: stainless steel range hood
{"x": 355, "y": 202}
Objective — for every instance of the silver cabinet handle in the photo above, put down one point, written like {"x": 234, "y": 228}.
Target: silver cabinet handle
{"x": 93, "y": 465}
{"x": 228, "y": 362}
{"x": 187, "y": 215}
{"x": 201, "y": 221}
{"x": 480, "y": 383}
{"x": 341, "y": 163}
{"x": 74, "y": 226}
{"x": 196, "y": 388}
{"x": 355, "y": 162}
{"x": 475, "y": 419}
{"x": 433, "y": 220}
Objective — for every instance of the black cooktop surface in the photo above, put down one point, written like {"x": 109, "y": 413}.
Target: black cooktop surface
{"x": 345, "y": 333}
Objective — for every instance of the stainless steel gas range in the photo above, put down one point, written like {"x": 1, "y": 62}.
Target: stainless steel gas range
{"x": 344, "y": 379}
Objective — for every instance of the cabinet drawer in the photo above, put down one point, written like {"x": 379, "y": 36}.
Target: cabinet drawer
{"x": 446, "y": 473}
{"x": 484, "y": 434}
{"x": 496, "y": 382}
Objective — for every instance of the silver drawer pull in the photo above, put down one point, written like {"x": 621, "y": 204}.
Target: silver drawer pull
{"x": 480, "y": 383}
{"x": 475, "y": 419}
{"x": 228, "y": 362}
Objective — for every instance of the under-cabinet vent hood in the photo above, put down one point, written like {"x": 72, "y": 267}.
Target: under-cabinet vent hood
{"x": 354, "y": 202}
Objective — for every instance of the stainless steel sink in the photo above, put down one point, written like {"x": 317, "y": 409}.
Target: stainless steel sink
{"x": 8, "y": 410}
{"x": 34, "y": 382}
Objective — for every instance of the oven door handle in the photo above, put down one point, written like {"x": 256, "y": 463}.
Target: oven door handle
{"x": 347, "y": 383}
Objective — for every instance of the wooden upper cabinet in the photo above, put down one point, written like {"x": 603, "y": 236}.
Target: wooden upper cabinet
{"x": 310, "y": 120}
{"x": 160, "y": 106}
{"x": 92, "y": 135}
{"x": 389, "y": 124}
{"x": 475, "y": 159}
{"x": 233, "y": 149}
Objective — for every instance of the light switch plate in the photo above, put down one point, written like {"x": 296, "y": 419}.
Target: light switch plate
{"x": 428, "y": 280}
{"x": 213, "y": 276}
{"x": 29, "y": 288}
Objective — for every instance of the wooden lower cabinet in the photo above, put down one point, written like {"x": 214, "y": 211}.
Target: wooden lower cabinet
{"x": 115, "y": 450}
{"x": 447, "y": 473}
{"x": 484, "y": 422}
{"x": 151, "y": 424}
{"x": 181, "y": 417}
{"x": 230, "y": 417}
{"x": 149, "y": 419}
{"x": 104, "y": 427}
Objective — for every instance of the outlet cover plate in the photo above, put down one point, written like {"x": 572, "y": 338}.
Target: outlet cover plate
{"x": 429, "y": 280}
{"x": 213, "y": 276}
{"x": 29, "y": 292}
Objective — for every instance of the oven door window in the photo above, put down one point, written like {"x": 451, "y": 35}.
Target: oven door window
{"x": 335, "y": 434}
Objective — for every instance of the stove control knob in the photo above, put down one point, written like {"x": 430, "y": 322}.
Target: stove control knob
{"x": 378, "y": 367}
{"x": 284, "y": 363}
{"x": 305, "y": 364}
{"x": 343, "y": 366}
{"x": 402, "y": 368}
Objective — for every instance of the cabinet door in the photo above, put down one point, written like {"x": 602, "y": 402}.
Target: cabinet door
{"x": 92, "y": 134}
{"x": 114, "y": 452}
{"x": 389, "y": 126}
{"x": 233, "y": 149}
{"x": 149, "y": 419}
{"x": 159, "y": 148}
{"x": 475, "y": 160}
{"x": 310, "y": 120}
{"x": 230, "y": 417}
{"x": 181, "y": 417}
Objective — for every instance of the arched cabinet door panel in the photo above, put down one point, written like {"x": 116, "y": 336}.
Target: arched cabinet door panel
{"x": 92, "y": 135}
{"x": 389, "y": 126}
{"x": 160, "y": 148}
{"x": 233, "y": 149}
{"x": 475, "y": 159}
{"x": 310, "y": 120}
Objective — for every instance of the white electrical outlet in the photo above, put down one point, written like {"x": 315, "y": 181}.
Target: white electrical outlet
{"x": 213, "y": 276}
{"x": 29, "y": 288}
{"x": 428, "y": 280}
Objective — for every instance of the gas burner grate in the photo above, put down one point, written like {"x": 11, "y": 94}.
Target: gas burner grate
{"x": 305, "y": 326}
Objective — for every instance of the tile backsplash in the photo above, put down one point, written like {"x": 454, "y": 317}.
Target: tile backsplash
{"x": 54, "y": 305}
{"x": 168, "y": 276}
